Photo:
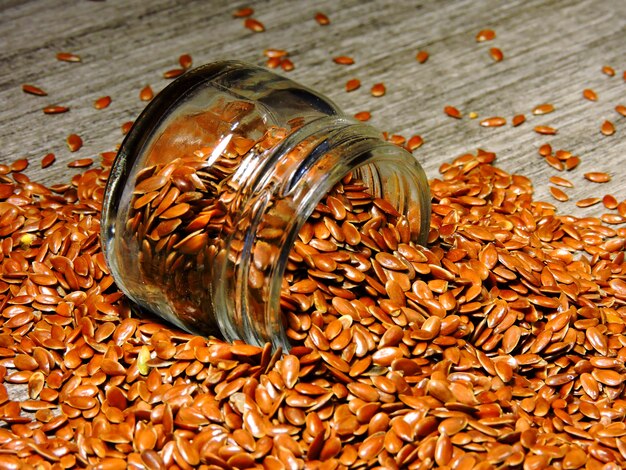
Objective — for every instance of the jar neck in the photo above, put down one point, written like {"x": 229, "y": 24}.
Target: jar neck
{"x": 281, "y": 196}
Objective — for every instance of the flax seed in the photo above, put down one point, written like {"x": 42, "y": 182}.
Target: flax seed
{"x": 452, "y": 112}
{"x": 545, "y": 108}
{"x": 287, "y": 65}
{"x": 587, "y": 202}
{"x": 597, "y": 177}
{"x": 68, "y": 57}
{"x": 518, "y": 120}
{"x": 590, "y": 95}
{"x": 558, "y": 194}
{"x": 55, "y": 109}
{"x": 414, "y": 143}
{"x": 485, "y": 35}
{"x": 243, "y": 12}
{"x": 378, "y": 89}
{"x": 74, "y": 142}
{"x": 561, "y": 182}
{"x": 422, "y": 56}
{"x": 571, "y": 163}
{"x": 185, "y": 61}
{"x": 81, "y": 163}
{"x": 19, "y": 165}
{"x": 254, "y": 25}
{"x": 146, "y": 93}
{"x": 607, "y": 128}
{"x": 610, "y": 202}
{"x": 102, "y": 102}
{"x": 343, "y": 60}
{"x": 496, "y": 54}
{"x": 545, "y": 130}
{"x": 363, "y": 116}
{"x": 173, "y": 73}
{"x": 322, "y": 19}
{"x": 33, "y": 90}
{"x": 47, "y": 160}
{"x": 493, "y": 122}
{"x": 608, "y": 70}
{"x": 353, "y": 84}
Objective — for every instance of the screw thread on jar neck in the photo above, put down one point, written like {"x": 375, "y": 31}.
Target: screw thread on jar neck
{"x": 302, "y": 169}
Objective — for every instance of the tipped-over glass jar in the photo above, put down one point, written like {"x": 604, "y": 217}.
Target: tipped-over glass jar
{"x": 215, "y": 180}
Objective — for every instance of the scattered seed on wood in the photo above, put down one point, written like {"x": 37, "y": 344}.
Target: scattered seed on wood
{"x": 452, "y": 112}
{"x": 274, "y": 62}
{"x": 81, "y": 163}
{"x": 561, "y": 182}
{"x": 363, "y": 116}
{"x": 545, "y": 150}
{"x": 397, "y": 139}
{"x": 55, "y": 109}
{"x": 621, "y": 109}
{"x": 74, "y": 142}
{"x": 102, "y": 102}
{"x": 173, "y": 73}
{"x": 422, "y": 56}
{"x": 287, "y": 65}
{"x": 472, "y": 115}
{"x": 278, "y": 53}
{"x": 185, "y": 61}
{"x": 496, "y": 54}
{"x": 607, "y": 128}
{"x": 558, "y": 194}
{"x": 33, "y": 90}
{"x": 243, "y": 12}
{"x": 545, "y": 108}
{"x": 588, "y": 202}
{"x": 343, "y": 60}
{"x": 485, "y": 35}
{"x": 610, "y": 202}
{"x": 254, "y": 25}
{"x": 126, "y": 127}
{"x": 353, "y": 84}
{"x": 495, "y": 121}
{"x": 19, "y": 165}
{"x": 322, "y": 19}
{"x": 590, "y": 95}
{"x": 68, "y": 57}
{"x": 146, "y": 93}
{"x": 608, "y": 70}
{"x": 47, "y": 160}
{"x": 545, "y": 130}
{"x": 571, "y": 163}
{"x": 414, "y": 143}
{"x": 597, "y": 177}
{"x": 518, "y": 120}
{"x": 378, "y": 89}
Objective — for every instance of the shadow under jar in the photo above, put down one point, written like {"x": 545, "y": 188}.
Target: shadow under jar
{"x": 213, "y": 183}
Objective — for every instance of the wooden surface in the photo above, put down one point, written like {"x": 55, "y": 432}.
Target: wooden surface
{"x": 552, "y": 51}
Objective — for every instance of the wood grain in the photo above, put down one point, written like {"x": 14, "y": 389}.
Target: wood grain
{"x": 552, "y": 51}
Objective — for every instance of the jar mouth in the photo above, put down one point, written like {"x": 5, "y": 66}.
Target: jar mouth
{"x": 389, "y": 171}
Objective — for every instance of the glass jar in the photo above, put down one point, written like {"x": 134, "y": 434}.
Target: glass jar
{"x": 213, "y": 183}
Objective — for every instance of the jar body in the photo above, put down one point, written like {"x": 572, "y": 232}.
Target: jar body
{"x": 212, "y": 184}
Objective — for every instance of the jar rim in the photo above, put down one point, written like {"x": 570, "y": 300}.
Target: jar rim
{"x": 346, "y": 146}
